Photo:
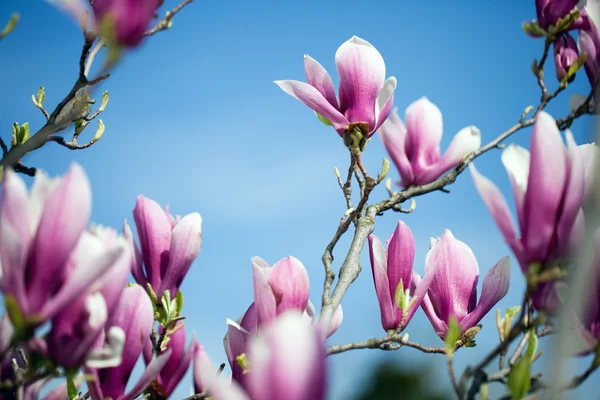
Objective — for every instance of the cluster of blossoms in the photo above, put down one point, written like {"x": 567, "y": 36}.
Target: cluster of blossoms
{"x": 61, "y": 273}
{"x": 557, "y": 20}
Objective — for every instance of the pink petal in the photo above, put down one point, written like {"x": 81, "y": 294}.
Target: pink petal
{"x": 315, "y": 100}
{"x": 393, "y": 137}
{"x": 264, "y": 299}
{"x": 81, "y": 279}
{"x": 496, "y": 204}
{"x": 424, "y": 127}
{"x": 14, "y": 205}
{"x": 455, "y": 273}
{"x": 420, "y": 287}
{"x": 284, "y": 372}
{"x": 137, "y": 269}
{"x": 382, "y": 286}
{"x": 318, "y": 77}
{"x": 154, "y": 232}
{"x": 179, "y": 370}
{"x": 149, "y": 375}
{"x": 466, "y": 141}
{"x": 516, "y": 160}
{"x": 12, "y": 260}
{"x": 573, "y": 196}
{"x": 400, "y": 257}
{"x": 439, "y": 326}
{"x": 199, "y": 357}
{"x": 385, "y": 102}
{"x": 217, "y": 388}
{"x": 289, "y": 283}
{"x": 135, "y": 315}
{"x": 362, "y": 75}
{"x": 545, "y": 186}
{"x": 185, "y": 247}
{"x": 66, "y": 214}
{"x": 589, "y": 155}
{"x": 336, "y": 321}
{"x": 495, "y": 286}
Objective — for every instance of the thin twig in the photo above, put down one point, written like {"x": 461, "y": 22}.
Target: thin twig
{"x": 71, "y": 145}
{"x": 165, "y": 23}
{"x": 457, "y": 389}
{"x": 384, "y": 343}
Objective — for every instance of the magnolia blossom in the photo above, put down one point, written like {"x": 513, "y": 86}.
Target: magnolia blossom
{"x": 550, "y": 11}
{"x": 125, "y": 21}
{"x": 415, "y": 148}
{"x": 134, "y": 315}
{"x": 549, "y": 188}
{"x": 395, "y": 282}
{"x": 168, "y": 246}
{"x": 279, "y": 288}
{"x": 365, "y": 96}
{"x": 286, "y": 362}
{"x": 179, "y": 361}
{"x": 453, "y": 289}
{"x": 76, "y": 328}
{"x": 565, "y": 54}
{"x": 38, "y": 233}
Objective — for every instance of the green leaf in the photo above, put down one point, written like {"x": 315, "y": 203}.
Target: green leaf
{"x": 323, "y": 119}
{"x": 385, "y": 167}
{"x": 23, "y": 133}
{"x": 72, "y": 389}
{"x": 41, "y": 96}
{"x": 532, "y": 28}
{"x": 452, "y": 336}
{"x": 104, "y": 102}
{"x": 532, "y": 345}
{"x": 12, "y": 23}
{"x": 573, "y": 68}
{"x": 507, "y": 321}
{"x": 519, "y": 378}
{"x": 80, "y": 125}
{"x": 179, "y": 298}
{"x": 400, "y": 296}
{"x": 151, "y": 293}
{"x": 14, "y": 311}
{"x": 15, "y": 134}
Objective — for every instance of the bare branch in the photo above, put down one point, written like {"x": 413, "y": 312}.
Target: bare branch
{"x": 165, "y": 23}
{"x": 389, "y": 342}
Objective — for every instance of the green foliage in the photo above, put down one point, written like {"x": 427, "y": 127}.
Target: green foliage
{"x": 519, "y": 378}
{"x": 323, "y": 119}
{"x": 20, "y": 134}
{"x": 12, "y": 23}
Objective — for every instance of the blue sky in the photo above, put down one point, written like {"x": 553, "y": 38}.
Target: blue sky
{"x": 195, "y": 121}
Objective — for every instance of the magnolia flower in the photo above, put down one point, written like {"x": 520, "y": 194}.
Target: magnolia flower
{"x": 415, "y": 149}
{"x": 277, "y": 370}
{"x": 549, "y": 187}
{"x": 453, "y": 290}
{"x": 279, "y": 288}
{"x": 241, "y": 331}
{"x": 76, "y": 328}
{"x": 168, "y": 246}
{"x": 395, "y": 282}
{"x": 125, "y": 22}
{"x": 38, "y": 233}
{"x": 134, "y": 315}
{"x": 179, "y": 361}
{"x": 565, "y": 54}
{"x": 199, "y": 357}
{"x": 550, "y": 11}
{"x": 365, "y": 96}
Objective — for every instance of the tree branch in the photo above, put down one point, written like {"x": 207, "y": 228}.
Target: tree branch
{"x": 165, "y": 23}
{"x": 384, "y": 343}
